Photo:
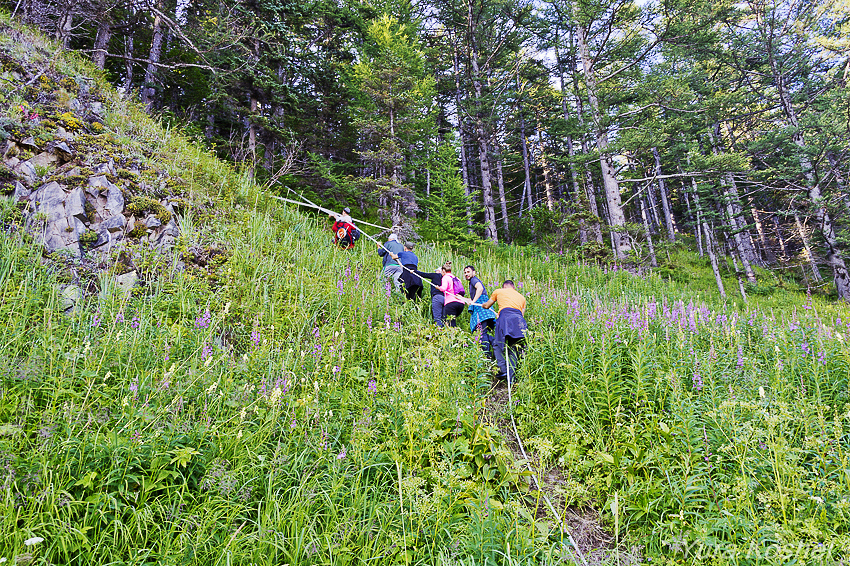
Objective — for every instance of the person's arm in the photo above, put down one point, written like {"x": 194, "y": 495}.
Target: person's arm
{"x": 479, "y": 289}
{"x": 444, "y": 284}
{"x": 381, "y": 251}
{"x": 492, "y": 300}
{"x": 394, "y": 256}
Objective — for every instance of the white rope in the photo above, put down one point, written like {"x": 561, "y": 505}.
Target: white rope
{"x": 564, "y": 529}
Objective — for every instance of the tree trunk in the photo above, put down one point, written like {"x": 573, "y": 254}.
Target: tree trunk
{"x": 148, "y": 88}
{"x": 590, "y": 189}
{"x": 65, "y": 25}
{"x": 779, "y": 237}
{"x": 252, "y": 138}
{"x": 834, "y": 254}
{"x": 526, "y": 165}
{"x": 581, "y": 201}
{"x": 768, "y": 253}
{"x": 547, "y": 172}
{"x": 665, "y": 202}
{"x": 502, "y": 200}
{"x": 807, "y": 249}
{"x": 461, "y": 132}
{"x": 616, "y": 216}
{"x": 694, "y": 220}
{"x": 128, "y": 62}
{"x": 712, "y": 256}
{"x": 101, "y": 40}
{"x": 647, "y": 233}
{"x": 481, "y": 134}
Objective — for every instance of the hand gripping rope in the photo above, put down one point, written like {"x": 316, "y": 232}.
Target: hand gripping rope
{"x": 563, "y": 526}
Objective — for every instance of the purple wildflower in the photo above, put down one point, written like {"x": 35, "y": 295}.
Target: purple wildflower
{"x": 340, "y": 289}
{"x": 204, "y": 320}
{"x": 255, "y": 338}
{"x": 336, "y": 370}
{"x": 373, "y": 386}
{"x": 206, "y": 352}
{"x": 369, "y": 322}
{"x": 740, "y": 357}
{"x": 95, "y": 321}
{"x": 136, "y": 322}
{"x": 342, "y": 454}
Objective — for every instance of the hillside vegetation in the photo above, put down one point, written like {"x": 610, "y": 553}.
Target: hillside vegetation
{"x": 260, "y": 397}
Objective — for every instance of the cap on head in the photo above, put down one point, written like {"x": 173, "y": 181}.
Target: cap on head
{"x": 408, "y": 246}
{"x": 346, "y": 210}
{"x": 394, "y": 237}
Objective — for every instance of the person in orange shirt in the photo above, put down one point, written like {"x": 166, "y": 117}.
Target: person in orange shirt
{"x": 510, "y": 328}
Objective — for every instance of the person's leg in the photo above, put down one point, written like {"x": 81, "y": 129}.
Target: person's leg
{"x": 452, "y": 312}
{"x": 499, "y": 355}
{"x": 514, "y": 350}
{"x": 396, "y": 276}
{"x": 486, "y": 339}
{"x": 437, "y": 309}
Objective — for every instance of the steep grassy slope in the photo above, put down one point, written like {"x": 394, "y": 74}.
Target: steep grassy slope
{"x": 275, "y": 404}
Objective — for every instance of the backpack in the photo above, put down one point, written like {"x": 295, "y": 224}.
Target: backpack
{"x": 457, "y": 286}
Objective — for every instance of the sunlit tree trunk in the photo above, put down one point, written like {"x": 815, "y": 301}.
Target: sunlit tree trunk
{"x": 616, "y": 216}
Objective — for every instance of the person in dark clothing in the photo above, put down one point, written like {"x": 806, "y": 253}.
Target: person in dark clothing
{"x": 412, "y": 282}
{"x": 510, "y": 329}
{"x": 481, "y": 320}
{"x": 436, "y": 295}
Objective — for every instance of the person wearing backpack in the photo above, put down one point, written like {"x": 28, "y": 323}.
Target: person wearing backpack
{"x": 453, "y": 292}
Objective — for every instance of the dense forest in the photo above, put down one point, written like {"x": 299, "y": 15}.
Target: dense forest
{"x": 616, "y": 126}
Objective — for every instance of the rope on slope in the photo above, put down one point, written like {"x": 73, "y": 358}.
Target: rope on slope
{"x": 563, "y": 526}
{"x": 564, "y": 529}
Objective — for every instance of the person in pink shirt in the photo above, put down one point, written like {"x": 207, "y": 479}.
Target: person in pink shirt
{"x": 453, "y": 305}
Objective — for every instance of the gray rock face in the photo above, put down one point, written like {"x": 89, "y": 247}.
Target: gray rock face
{"x": 50, "y": 200}
{"x": 114, "y": 200}
{"x": 127, "y": 281}
{"x": 75, "y": 204}
{"x": 104, "y": 168}
{"x": 43, "y": 159}
{"x": 152, "y": 222}
{"x": 64, "y": 152}
{"x": 21, "y": 192}
{"x": 71, "y": 296}
{"x": 26, "y": 169}
{"x": 99, "y": 181}
{"x": 114, "y": 223}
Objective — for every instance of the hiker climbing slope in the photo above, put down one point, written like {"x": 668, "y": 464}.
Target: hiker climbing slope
{"x": 437, "y": 296}
{"x": 481, "y": 320}
{"x": 392, "y": 267}
{"x": 412, "y": 282}
{"x": 453, "y": 292}
{"x": 510, "y": 328}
